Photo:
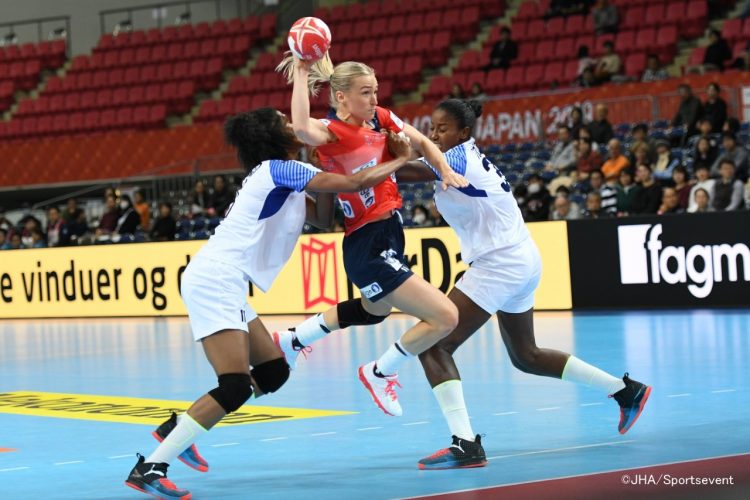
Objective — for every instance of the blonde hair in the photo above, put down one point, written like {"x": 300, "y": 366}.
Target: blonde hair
{"x": 323, "y": 71}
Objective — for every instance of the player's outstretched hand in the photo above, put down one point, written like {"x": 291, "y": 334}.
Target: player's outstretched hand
{"x": 398, "y": 145}
{"x": 452, "y": 179}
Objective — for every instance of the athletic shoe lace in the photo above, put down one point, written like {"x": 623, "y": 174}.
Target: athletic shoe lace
{"x": 390, "y": 390}
{"x": 304, "y": 351}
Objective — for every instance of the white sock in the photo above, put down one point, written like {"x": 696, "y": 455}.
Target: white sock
{"x": 182, "y": 436}
{"x": 583, "y": 373}
{"x": 392, "y": 359}
{"x": 450, "y": 397}
{"x": 312, "y": 329}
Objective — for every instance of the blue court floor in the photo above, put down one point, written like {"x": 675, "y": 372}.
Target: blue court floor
{"x": 535, "y": 428}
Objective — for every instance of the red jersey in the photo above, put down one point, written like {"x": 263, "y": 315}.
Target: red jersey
{"x": 358, "y": 148}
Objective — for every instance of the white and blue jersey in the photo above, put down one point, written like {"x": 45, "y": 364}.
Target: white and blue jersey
{"x": 263, "y": 224}
{"x": 484, "y": 215}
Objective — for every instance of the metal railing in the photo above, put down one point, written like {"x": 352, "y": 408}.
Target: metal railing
{"x": 40, "y": 28}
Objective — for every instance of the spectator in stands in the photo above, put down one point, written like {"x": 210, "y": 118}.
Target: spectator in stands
{"x": 538, "y": 200}
{"x": 742, "y": 62}
{"x": 705, "y": 130}
{"x": 199, "y": 199}
{"x": 717, "y": 53}
{"x": 420, "y": 217}
{"x": 585, "y": 133}
{"x": 477, "y": 92}
{"x": 608, "y": 65}
{"x": 75, "y": 218}
{"x": 588, "y": 159}
{"x": 715, "y": 108}
{"x": 29, "y": 223}
{"x": 457, "y": 92}
{"x": 606, "y": 190}
{"x": 566, "y": 8}
{"x": 563, "y": 158}
{"x": 587, "y": 79}
{"x": 702, "y": 202}
{"x": 642, "y": 155}
{"x": 4, "y": 222}
{"x": 221, "y": 197}
{"x": 682, "y": 185}
{"x": 670, "y": 202}
{"x": 108, "y": 222}
{"x": 585, "y": 61}
{"x": 654, "y": 71}
{"x": 666, "y": 162}
{"x": 3, "y": 238}
{"x": 704, "y": 155}
{"x": 165, "y": 226}
{"x": 143, "y": 209}
{"x": 732, "y": 151}
{"x": 605, "y": 17}
{"x": 639, "y": 136}
{"x": 564, "y": 209}
{"x": 503, "y": 52}
{"x": 15, "y": 242}
{"x": 703, "y": 181}
{"x": 435, "y": 217}
{"x": 690, "y": 110}
{"x": 616, "y": 161}
{"x": 128, "y": 221}
{"x": 600, "y": 128}
{"x": 731, "y": 125}
{"x": 728, "y": 190}
{"x": 647, "y": 196}
{"x": 625, "y": 193}
{"x": 594, "y": 207}
{"x": 57, "y": 229}
{"x": 576, "y": 122}
{"x": 37, "y": 239}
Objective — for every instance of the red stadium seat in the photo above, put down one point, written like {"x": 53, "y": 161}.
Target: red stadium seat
{"x": 654, "y": 15}
{"x": 634, "y": 17}
{"x": 645, "y": 39}
{"x": 635, "y": 64}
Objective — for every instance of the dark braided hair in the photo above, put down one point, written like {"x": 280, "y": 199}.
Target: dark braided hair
{"x": 258, "y": 136}
{"x": 465, "y": 112}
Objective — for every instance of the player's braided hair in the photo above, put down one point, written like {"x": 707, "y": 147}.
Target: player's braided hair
{"x": 465, "y": 112}
{"x": 258, "y": 136}
{"x": 339, "y": 77}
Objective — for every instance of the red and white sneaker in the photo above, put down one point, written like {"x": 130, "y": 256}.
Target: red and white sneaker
{"x": 381, "y": 389}
{"x": 283, "y": 341}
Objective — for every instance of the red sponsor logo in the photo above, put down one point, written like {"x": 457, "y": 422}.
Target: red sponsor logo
{"x": 319, "y": 273}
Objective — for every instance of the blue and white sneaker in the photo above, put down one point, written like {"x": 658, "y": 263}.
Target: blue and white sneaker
{"x": 632, "y": 399}
{"x": 462, "y": 454}
{"x": 151, "y": 479}
{"x": 190, "y": 456}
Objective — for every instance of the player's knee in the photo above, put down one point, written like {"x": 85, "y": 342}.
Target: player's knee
{"x": 352, "y": 312}
{"x": 526, "y": 359}
{"x": 233, "y": 391}
{"x": 271, "y": 375}
{"x": 446, "y": 319}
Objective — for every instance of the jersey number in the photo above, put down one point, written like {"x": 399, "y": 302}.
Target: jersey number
{"x": 487, "y": 164}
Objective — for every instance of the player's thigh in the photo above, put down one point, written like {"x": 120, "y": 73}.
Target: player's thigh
{"x": 418, "y": 298}
{"x": 471, "y": 318}
{"x": 228, "y": 351}
{"x": 380, "y": 308}
{"x": 262, "y": 346}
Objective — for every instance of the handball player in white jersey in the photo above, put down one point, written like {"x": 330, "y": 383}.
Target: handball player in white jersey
{"x": 504, "y": 270}
{"x": 251, "y": 244}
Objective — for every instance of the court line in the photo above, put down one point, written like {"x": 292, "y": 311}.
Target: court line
{"x": 548, "y": 408}
{"x": 14, "y": 468}
{"x": 120, "y": 456}
{"x": 369, "y": 428}
{"x": 68, "y": 463}
{"x": 684, "y": 394}
{"x": 222, "y": 444}
{"x": 505, "y": 413}
{"x": 322, "y": 433}
{"x": 723, "y": 390}
{"x": 418, "y": 423}
{"x": 275, "y": 439}
{"x": 474, "y": 490}
{"x": 592, "y": 404}
{"x": 569, "y": 448}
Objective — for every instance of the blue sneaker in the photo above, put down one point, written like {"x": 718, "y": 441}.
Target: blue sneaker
{"x": 190, "y": 456}
{"x": 151, "y": 479}
{"x": 461, "y": 454}
{"x": 632, "y": 399}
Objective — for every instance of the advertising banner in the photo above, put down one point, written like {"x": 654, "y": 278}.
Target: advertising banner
{"x": 143, "y": 279}
{"x": 689, "y": 260}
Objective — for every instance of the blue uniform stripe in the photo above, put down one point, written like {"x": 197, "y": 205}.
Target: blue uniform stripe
{"x": 274, "y": 201}
{"x": 292, "y": 174}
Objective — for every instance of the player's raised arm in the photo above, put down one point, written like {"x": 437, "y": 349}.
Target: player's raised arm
{"x": 435, "y": 157}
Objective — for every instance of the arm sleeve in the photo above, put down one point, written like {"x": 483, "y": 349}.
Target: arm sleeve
{"x": 389, "y": 121}
{"x": 434, "y": 171}
{"x": 292, "y": 174}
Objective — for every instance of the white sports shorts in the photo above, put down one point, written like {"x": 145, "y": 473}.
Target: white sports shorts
{"x": 215, "y": 295}
{"x": 504, "y": 280}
